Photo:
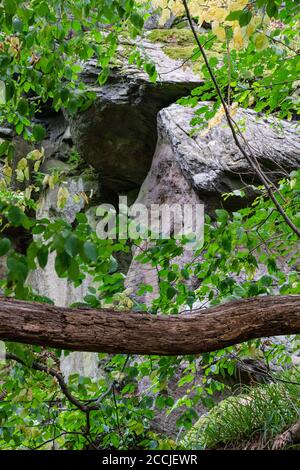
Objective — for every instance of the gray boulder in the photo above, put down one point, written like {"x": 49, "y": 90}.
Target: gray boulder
{"x": 210, "y": 160}
{"x": 117, "y": 134}
{"x": 199, "y": 168}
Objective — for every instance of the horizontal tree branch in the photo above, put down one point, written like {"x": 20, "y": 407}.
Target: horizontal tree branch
{"x": 80, "y": 329}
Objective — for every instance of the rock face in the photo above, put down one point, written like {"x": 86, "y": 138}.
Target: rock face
{"x": 211, "y": 161}
{"x": 199, "y": 168}
{"x": 117, "y": 134}
{"x": 164, "y": 184}
{"x": 138, "y": 139}
{"x": 60, "y": 291}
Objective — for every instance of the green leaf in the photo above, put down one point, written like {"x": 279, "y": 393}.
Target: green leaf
{"x": 81, "y": 218}
{"x": 272, "y": 9}
{"x": 62, "y": 263}
{"x": 15, "y": 216}
{"x": 5, "y": 245}
{"x": 90, "y": 251}
{"x": 43, "y": 9}
{"x": 9, "y": 90}
{"x": 10, "y": 7}
{"x": 213, "y": 62}
{"x": 38, "y": 132}
{"x": 222, "y": 215}
{"x": 113, "y": 265}
{"x": 150, "y": 69}
{"x": 137, "y": 20}
{"x": 261, "y": 3}
{"x": 171, "y": 276}
{"x": 74, "y": 271}
{"x": 21, "y": 271}
{"x": 18, "y": 25}
{"x": 226, "y": 242}
{"x": 17, "y": 270}
{"x": 23, "y": 107}
{"x": 245, "y": 17}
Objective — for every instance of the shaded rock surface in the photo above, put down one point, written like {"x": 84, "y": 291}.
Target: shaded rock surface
{"x": 164, "y": 184}
{"x": 117, "y": 134}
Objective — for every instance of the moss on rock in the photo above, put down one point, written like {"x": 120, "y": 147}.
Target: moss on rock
{"x": 176, "y": 43}
{"x": 177, "y": 36}
{"x": 254, "y": 417}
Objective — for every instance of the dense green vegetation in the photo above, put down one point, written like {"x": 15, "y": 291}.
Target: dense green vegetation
{"x": 43, "y": 47}
{"x": 252, "y": 419}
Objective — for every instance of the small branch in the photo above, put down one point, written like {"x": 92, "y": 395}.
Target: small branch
{"x": 229, "y": 70}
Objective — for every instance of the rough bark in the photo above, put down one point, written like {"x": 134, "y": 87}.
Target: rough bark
{"x": 140, "y": 333}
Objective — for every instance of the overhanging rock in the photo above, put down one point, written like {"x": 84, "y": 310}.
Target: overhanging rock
{"x": 117, "y": 134}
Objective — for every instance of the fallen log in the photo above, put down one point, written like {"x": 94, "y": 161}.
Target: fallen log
{"x": 80, "y": 329}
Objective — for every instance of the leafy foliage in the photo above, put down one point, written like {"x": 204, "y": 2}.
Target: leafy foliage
{"x": 253, "y": 418}
{"x": 245, "y": 253}
{"x": 42, "y": 47}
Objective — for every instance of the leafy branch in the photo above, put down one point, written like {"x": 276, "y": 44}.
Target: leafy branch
{"x": 250, "y": 157}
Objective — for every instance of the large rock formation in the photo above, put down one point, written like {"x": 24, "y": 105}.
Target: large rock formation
{"x": 210, "y": 160}
{"x": 195, "y": 168}
{"x": 117, "y": 134}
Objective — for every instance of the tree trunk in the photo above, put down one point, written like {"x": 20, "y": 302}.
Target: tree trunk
{"x": 80, "y": 329}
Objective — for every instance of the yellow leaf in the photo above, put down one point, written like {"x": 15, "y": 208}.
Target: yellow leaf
{"x": 238, "y": 40}
{"x": 37, "y": 166}
{"x": 46, "y": 181}
{"x": 164, "y": 17}
{"x": 14, "y": 45}
{"x": 62, "y": 197}
{"x": 194, "y": 8}
{"x": 2, "y": 92}
{"x": 214, "y": 121}
{"x": 20, "y": 175}
{"x": 36, "y": 154}
{"x": 26, "y": 173}
{"x": 220, "y": 14}
{"x": 177, "y": 8}
{"x": 261, "y": 41}
{"x": 218, "y": 30}
{"x": 254, "y": 23}
{"x": 235, "y": 5}
{"x": 27, "y": 192}
{"x": 22, "y": 164}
